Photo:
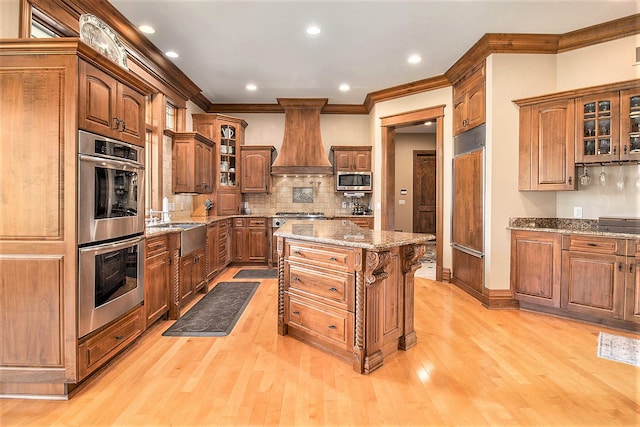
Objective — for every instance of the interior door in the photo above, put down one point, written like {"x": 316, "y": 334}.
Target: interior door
{"x": 424, "y": 191}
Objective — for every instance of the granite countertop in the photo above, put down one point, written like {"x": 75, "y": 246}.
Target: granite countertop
{"x": 565, "y": 226}
{"x": 337, "y": 233}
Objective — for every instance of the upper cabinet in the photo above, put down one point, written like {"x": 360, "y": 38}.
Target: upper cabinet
{"x": 547, "y": 146}
{"x": 351, "y": 158}
{"x": 599, "y": 124}
{"x": 109, "y": 107}
{"x": 597, "y": 128}
{"x": 228, "y": 134}
{"x": 469, "y": 100}
{"x": 192, "y": 163}
{"x": 256, "y": 168}
{"x": 630, "y": 124}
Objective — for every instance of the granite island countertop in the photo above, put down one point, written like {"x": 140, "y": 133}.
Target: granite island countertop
{"x": 349, "y": 234}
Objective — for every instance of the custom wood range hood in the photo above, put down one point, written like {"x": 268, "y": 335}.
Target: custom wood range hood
{"x": 302, "y": 151}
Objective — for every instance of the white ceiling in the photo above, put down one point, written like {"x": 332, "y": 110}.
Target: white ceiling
{"x": 225, "y": 44}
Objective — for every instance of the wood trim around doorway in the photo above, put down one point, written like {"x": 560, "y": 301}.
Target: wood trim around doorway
{"x": 387, "y": 203}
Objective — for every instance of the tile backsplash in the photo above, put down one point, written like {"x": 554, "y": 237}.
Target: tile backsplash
{"x": 325, "y": 199}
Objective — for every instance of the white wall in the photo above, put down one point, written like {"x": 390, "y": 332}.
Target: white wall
{"x": 9, "y": 18}
{"x": 405, "y": 144}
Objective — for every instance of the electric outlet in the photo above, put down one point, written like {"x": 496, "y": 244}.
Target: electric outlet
{"x": 577, "y": 211}
{"x": 344, "y": 205}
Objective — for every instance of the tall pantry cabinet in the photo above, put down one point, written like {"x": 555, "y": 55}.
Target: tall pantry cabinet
{"x": 42, "y": 109}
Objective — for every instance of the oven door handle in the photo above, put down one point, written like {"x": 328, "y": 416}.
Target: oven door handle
{"x": 113, "y": 246}
{"x": 127, "y": 166}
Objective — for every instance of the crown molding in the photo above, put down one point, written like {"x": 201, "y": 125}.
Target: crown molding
{"x": 600, "y": 33}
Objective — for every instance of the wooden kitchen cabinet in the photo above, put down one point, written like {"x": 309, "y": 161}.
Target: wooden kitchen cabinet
{"x": 250, "y": 241}
{"x": 228, "y": 134}
{"x": 593, "y": 277}
{"x": 536, "y": 259}
{"x": 212, "y": 253}
{"x": 255, "y": 163}
{"x": 192, "y": 158}
{"x": 157, "y": 279}
{"x": 598, "y": 128}
{"x": 97, "y": 348}
{"x": 469, "y": 108}
{"x": 224, "y": 243}
{"x": 630, "y": 124}
{"x": 192, "y": 276}
{"x": 351, "y": 158}
{"x": 108, "y": 107}
{"x": 632, "y": 281}
{"x": 546, "y": 159}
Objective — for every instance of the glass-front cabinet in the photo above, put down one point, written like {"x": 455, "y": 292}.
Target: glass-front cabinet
{"x": 228, "y": 152}
{"x": 597, "y": 133}
{"x": 630, "y": 126}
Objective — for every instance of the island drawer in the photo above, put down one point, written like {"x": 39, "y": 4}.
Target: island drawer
{"x": 601, "y": 245}
{"x": 327, "y": 256}
{"x": 156, "y": 245}
{"x": 336, "y": 288}
{"x": 331, "y": 325}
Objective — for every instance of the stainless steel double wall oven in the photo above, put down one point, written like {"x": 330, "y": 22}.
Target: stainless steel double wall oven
{"x": 110, "y": 229}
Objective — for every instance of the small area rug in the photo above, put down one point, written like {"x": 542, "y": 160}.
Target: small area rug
{"x": 619, "y": 348}
{"x": 258, "y": 273}
{"x": 216, "y": 313}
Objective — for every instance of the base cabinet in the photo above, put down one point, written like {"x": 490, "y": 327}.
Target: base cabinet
{"x": 157, "y": 278}
{"x": 536, "y": 267}
{"x": 585, "y": 277}
{"x": 97, "y": 348}
{"x": 250, "y": 242}
{"x": 192, "y": 276}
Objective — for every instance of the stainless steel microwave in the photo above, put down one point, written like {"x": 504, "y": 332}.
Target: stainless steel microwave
{"x": 354, "y": 181}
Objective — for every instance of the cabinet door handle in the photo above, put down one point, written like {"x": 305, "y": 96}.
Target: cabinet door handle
{"x": 117, "y": 125}
{"x": 333, "y": 327}
{"x": 333, "y": 258}
{"x": 631, "y": 268}
{"x": 333, "y": 289}
{"x": 124, "y": 126}
{"x": 620, "y": 267}
{"x": 625, "y": 149}
{"x": 615, "y": 150}
{"x": 170, "y": 260}
{"x": 570, "y": 180}
{"x": 296, "y": 312}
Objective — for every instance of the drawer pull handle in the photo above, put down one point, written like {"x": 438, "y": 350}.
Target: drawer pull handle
{"x": 295, "y": 279}
{"x": 333, "y": 289}
{"x": 333, "y": 258}
{"x": 297, "y": 252}
{"x": 296, "y": 312}
{"x": 333, "y": 327}
{"x": 119, "y": 337}
{"x": 592, "y": 244}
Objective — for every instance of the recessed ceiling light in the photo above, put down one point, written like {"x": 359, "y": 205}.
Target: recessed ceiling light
{"x": 251, "y": 87}
{"x": 171, "y": 54}
{"x": 313, "y": 30}
{"x": 147, "y": 29}
{"x": 344, "y": 87}
{"x": 414, "y": 59}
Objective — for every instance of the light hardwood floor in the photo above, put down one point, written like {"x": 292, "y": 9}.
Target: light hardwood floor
{"x": 472, "y": 366}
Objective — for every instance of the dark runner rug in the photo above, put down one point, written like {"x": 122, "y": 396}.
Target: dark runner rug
{"x": 259, "y": 273}
{"x": 216, "y": 313}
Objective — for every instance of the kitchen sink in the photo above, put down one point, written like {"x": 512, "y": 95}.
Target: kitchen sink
{"x": 193, "y": 235}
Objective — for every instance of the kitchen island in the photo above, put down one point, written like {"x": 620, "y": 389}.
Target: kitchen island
{"x": 348, "y": 290}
